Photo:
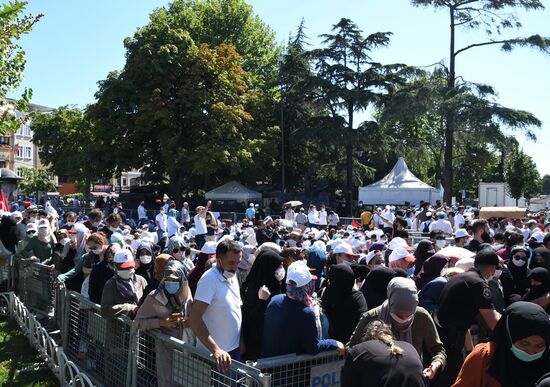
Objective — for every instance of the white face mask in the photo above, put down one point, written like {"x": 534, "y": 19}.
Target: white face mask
{"x": 125, "y": 274}
{"x": 399, "y": 320}
{"x": 228, "y": 274}
{"x": 441, "y": 243}
{"x": 113, "y": 229}
{"x": 518, "y": 262}
{"x": 145, "y": 259}
{"x": 280, "y": 273}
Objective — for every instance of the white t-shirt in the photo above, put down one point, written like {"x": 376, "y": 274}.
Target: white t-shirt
{"x": 161, "y": 220}
{"x": 313, "y": 217}
{"x": 333, "y": 219}
{"x": 200, "y": 224}
{"x": 185, "y": 217}
{"x": 223, "y": 316}
{"x": 323, "y": 218}
{"x": 172, "y": 226}
{"x": 443, "y": 225}
{"x": 459, "y": 221}
{"x": 142, "y": 212}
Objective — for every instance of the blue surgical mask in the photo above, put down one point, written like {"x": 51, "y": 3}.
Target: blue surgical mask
{"x": 172, "y": 287}
{"x": 524, "y": 356}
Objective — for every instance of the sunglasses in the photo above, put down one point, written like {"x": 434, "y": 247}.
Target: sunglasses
{"x": 440, "y": 238}
{"x": 30, "y": 232}
{"x": 522, "y": 257}
{"x": 177, "y": 250}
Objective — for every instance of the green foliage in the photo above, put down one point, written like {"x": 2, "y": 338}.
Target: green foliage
{"x": 36, "y": 180}
{"x": 13, "y": 24}
{"x": 69, "y": 146}
{"x": 522, "y": 176}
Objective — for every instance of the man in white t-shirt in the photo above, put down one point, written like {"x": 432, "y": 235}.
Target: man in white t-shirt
{"x": 323, "y": 221}
{"x": 216, "y": 314}
{"x": 200, "y": 226}
{"x": 442, "y": 225}
{"x": 459, "y": 218}
{"x": 313, "y": 216}
{"x": 185, "y": 215}
{"x": 142, "y": 213}
{"x": 160, "y": 222}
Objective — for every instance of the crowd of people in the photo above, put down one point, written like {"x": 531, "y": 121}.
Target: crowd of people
{"x": 402, "y": 314}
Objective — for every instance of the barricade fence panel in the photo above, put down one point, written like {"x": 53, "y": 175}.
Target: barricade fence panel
{"x": 323, "y": 369}
{"x": 35, "y": 286}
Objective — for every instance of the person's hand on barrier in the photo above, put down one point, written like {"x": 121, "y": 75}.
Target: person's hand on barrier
{"x": 169, "y": 322}
{"x": 51, "y": 267}
{"x": 264, "y": 293}
{"x": 341, "y": 348}
{"x": 56, "y": 284}
{"x": 223, "y": 360}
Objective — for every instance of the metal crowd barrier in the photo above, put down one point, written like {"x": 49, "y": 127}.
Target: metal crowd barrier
{"x": 322, "y": 370}
{"x": 34, "y": 286}
{"x": 96, "y": 351}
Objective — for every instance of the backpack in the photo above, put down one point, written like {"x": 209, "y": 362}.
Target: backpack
{"x": 426, "y": 228}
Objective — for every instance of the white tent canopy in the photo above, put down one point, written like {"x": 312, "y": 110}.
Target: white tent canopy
{"x": 397, "y": 187}
{"x": 233, "y": 191}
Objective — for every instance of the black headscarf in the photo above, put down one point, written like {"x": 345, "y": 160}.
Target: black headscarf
{"x": 542, "y": 275}
{"x": 424, "y": 250}
{"x": 262, "y": 273}
{"x": 343, "y": 305}
{"x": 522, "y": 319}
{"x": 431, "y": 270}
{"x": 514, "y": 278}
{"x": 197, "y": 272}
{"x": 543, "y": 260}
{"x": 375, "y": 287}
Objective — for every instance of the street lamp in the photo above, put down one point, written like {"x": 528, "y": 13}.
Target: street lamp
{"x": 283, "y": 185}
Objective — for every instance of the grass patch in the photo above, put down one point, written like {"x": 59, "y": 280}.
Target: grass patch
{"x": 17, "y": 354}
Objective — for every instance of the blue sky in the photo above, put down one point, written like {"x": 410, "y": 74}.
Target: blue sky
{"x": 77, "y": 43}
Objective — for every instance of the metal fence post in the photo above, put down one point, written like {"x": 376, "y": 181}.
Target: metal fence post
{"x": 131, "y": 376}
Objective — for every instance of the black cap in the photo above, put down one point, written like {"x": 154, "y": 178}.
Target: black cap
{"x": 487, "y": 256}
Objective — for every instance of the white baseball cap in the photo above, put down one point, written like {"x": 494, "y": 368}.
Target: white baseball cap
{"x": 401, "y": 253}
{"x": 125, "y": 258}
{"x": 209, "y": 248}
{"x": 461, "y": 233}
{"x": 344, "y": 248}
{"x": 398, "y": 242}
{"x": 299, "y": 273}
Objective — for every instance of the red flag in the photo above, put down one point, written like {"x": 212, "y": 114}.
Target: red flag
{"x": 355, "y": 224}
{"x": 15, "y": 149}
{"x": 4, "y": 202}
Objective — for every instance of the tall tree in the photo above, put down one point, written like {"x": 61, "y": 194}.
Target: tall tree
{"x": 546, "y": 185}
{"x": 13, "y": 25}
{"x": 69, "y": 147}
{"x": 522, "y": 176}
{"x": 494, "y": 16}
{"x": 348, "y": 81}
{"x": 195, "y": 79}
{"x": 36, "y": 180}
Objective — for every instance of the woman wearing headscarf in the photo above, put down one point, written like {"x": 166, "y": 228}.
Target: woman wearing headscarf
{"x": 409, "y": 322}
{"x": 539, "y": 286}
{"x": 208, "y": 251}
{"x": 424, "y": 250}
{"x": 96, "y": 246}
{"x": 263, "y": 282}
{"x": 342, "y": 303}
{"x": 291, "y": 324}
{"x": 375, "y": 287}
{"x": 381, "y": 361}
{"x": 145, "y": 265}
{"x": 517, "y": 353}
{"x": 540, "y": 258}
{"x": 514, "y": 277}
{"x": 431, "y": 270}
{"x": 176, "y": 248}
{"x": 211, "y": 227}
{"x": 429, "y": 294}
{"x": 42, "y": 245}
{"x": 167, "y": 308}
{"x": 101, "y": 273}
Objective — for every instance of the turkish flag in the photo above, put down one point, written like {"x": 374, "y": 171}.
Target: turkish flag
{"x": 15, "y": 149}
{"x": 355, "y": 224}
{"x": 4, "y": 203}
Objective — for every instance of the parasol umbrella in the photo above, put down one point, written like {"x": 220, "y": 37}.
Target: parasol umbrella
{"x": 293, "y": 203}
{"x": 454, "y": 253}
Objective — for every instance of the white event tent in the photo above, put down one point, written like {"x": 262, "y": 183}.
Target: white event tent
{"x": 397, "y": 187}
{"x": 233, "y": 191}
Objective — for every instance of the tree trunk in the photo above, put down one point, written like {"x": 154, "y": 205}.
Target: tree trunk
{"x": 449, "y": 121}
{"x": 349, "y": 160}
{"x": 176, "y": 185}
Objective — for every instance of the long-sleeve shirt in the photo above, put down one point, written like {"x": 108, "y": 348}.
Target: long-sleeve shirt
{"x": 41, "y": 250}
{"x": 114, "y": 304}
{"x": 303, "y": 338}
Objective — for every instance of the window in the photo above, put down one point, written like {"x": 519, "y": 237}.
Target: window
{"x": 124, "y": 182}
{"x": 28, "y": 150}
{"x": 19, "y": 151}
{"x": 19, "y": 172}
{"x": 24, "y": 130}
{"x": 4, "y": 140}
